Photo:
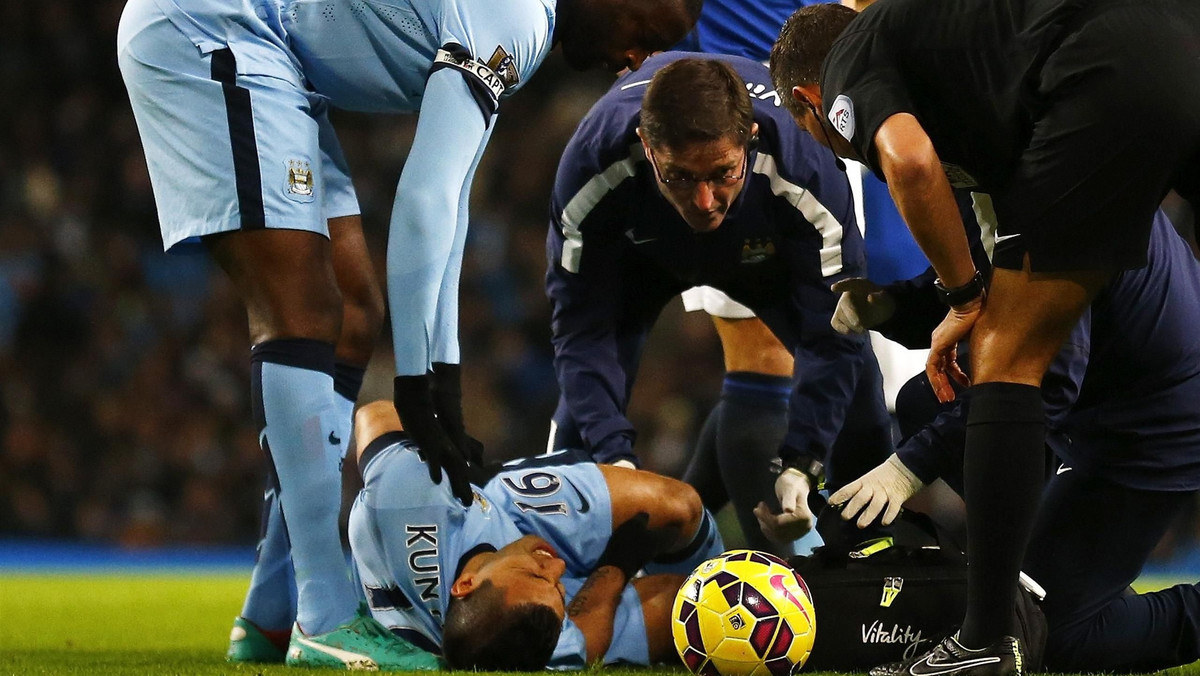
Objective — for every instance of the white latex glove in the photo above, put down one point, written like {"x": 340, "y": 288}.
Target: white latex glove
{"x": 883, "y": 489}
{"x": 797, "y": 519}
{"x": 862, "y": 305}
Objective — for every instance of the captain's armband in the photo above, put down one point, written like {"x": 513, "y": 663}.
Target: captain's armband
{"x": 487, "y": 81}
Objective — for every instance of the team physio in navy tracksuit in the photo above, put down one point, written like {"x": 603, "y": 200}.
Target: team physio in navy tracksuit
{"x": 750, "y": 418}
{"x": 770, "y": 222}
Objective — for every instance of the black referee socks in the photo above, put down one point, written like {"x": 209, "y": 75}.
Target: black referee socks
{"x": 1003, "y": 474}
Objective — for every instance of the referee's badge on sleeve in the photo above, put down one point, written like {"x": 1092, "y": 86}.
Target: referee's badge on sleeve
{"x": 841, "y": 115}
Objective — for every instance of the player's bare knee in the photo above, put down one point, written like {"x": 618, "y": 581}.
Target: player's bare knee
{"x": 314, "y": 313}
{"x": 286, "y": 281}
{"x": 999, "y": 356}
{"x": 315, "y": 316}
{"x": 1027, "y": 319}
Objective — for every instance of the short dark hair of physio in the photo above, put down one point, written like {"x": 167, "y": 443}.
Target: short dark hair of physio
{"x": 803, "y": 43}
{"x": 695, "y": 100}
{"x": 484, "y": 634}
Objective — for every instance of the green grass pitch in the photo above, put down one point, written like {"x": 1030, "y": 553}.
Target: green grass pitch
{"x": 150, "y": 623}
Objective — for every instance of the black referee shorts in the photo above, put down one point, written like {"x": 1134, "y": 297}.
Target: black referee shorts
{"x": 1116, "y": 125}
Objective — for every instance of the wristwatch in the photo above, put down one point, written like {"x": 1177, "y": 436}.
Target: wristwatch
{"x": 960, "y": 294}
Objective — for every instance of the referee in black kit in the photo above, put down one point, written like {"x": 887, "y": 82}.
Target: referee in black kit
{"x": 1076, "y": 117}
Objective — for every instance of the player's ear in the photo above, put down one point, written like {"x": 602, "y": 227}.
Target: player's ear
{"x": 808, "y": 96}
{"x": 464, "y": 585}
{"x": 752, "y": 142}
{"x": 642, "y": 138}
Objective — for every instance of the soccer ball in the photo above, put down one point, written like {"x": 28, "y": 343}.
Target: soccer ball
{"x": 744, "y": 613}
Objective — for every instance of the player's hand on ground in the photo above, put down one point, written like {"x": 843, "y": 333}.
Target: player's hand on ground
{"x": 883, "y": 490}
{"x": 633, "y": 544}
{"x": 942, "y": 364}
{"x": 863, "y": 305}
{"x": 796, "y": 519}
{"x": 413, "y": 399}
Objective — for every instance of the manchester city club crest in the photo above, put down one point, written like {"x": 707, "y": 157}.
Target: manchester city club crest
{"x": 299, "y": 178}
{"x": 757, "y": 251}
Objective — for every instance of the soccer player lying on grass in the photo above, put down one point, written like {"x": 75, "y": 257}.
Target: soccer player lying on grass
{"x": 536, "y": 571}
{"x": 1120, "y": 400}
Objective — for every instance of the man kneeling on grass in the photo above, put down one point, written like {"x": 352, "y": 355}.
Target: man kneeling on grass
{"x": 537, "y": 571}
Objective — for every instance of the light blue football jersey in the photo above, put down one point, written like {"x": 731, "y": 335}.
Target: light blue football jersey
{"x": 409, "y": 535}
{"x": 370, "y": 55}
{"x": 410, "y": 538}
{"x": 563, "y": 498}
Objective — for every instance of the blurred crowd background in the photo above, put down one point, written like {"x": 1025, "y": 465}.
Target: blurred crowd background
{"x": 124, "y": 372}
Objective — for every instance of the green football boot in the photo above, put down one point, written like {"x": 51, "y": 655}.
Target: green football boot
{"x": 248, "y": 643}
{"x": 361, "y": 644}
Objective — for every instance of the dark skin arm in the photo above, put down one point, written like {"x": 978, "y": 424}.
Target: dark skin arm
{"x": 673, "y": 507}
{"x": 633, "y": 542}
{"x": 594, "y": 609}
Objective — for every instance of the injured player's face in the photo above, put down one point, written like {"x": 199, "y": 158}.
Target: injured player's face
{"x": 529, "y": 571}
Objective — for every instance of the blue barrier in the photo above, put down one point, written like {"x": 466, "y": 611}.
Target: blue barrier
{"x": 30, "y": 555}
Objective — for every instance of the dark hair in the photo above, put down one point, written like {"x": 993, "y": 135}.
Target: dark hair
{"x": 484, "y": 634}
{"x": 803, "y": 43}
{"x": 696, "y": 100}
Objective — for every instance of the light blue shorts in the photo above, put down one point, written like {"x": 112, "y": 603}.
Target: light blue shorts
{"x": 232, "y": 137}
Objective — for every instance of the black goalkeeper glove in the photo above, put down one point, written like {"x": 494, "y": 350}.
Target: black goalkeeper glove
{"x": 414, "y": 403}
{"x": 482, "y": 473}
{"x": 632, "y": 545}
{"x": 447, "y": 402}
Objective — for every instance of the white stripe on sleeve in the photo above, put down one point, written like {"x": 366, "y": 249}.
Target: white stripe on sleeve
{"x": 814, "y": 212}
{"x": 587, "y": 198}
